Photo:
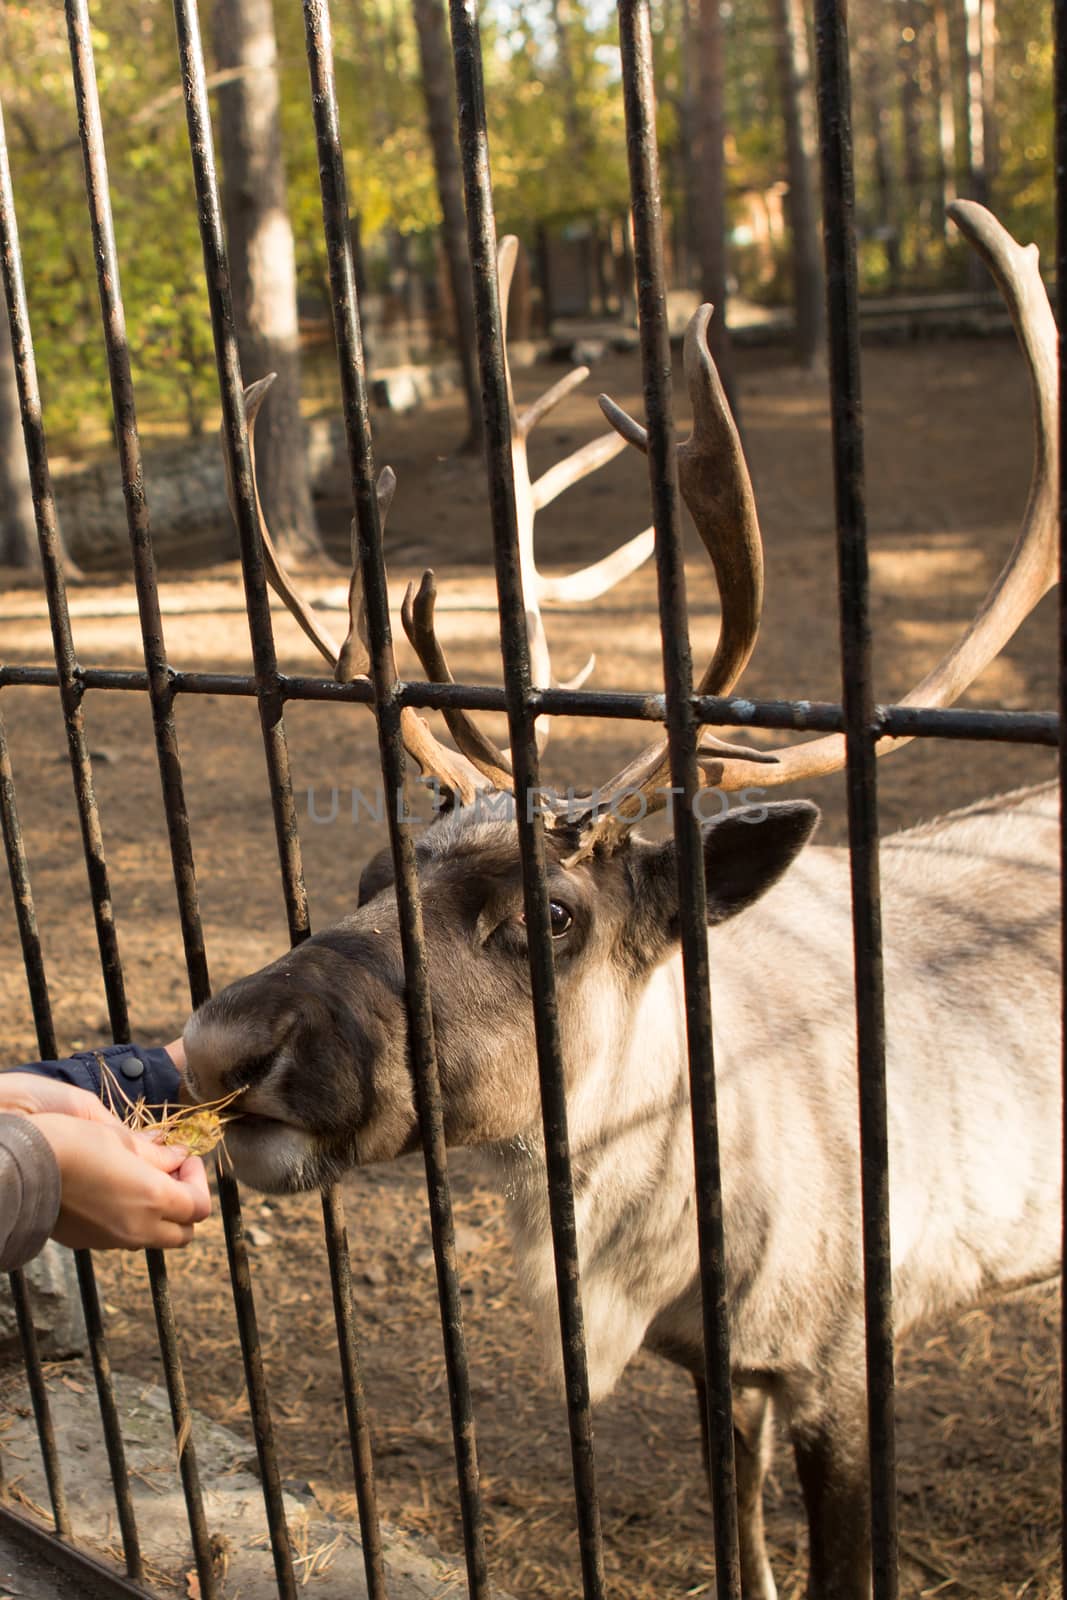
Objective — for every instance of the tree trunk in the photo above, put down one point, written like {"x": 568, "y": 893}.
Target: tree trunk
{"x": 873, "y": 61}
{"x": 941, "y": 76}
{"x": 263, "y": 263}
{"x": 577, "y": 132}
{"x": 910, "y": 27}
{"x": 689, "y": 101}
{"x": 977, "y": 171}
{"x": 519, "y": 306}
{"x": 435, "y": 60}
{"x": 622, "y": 246}
{"x": 544, "y": 278}
{"x": 990, "y": 140}
{"x": 711, "y": 181}
{"x": 18, "y": 530}
{"x": 798, "y": 117}
{"x": 979, "y": 121}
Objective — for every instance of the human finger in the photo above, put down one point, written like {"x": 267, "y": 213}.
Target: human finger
{"x": 193, "y": 1176}
{"x": 80, "y": 1233}
{"x": 168, "y": 1236}
{"x": 31, "y": 1094}
{"x": 165, "y": 1157}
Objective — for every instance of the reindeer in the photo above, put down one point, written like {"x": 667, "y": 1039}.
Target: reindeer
{"x": 316, "y": 1042}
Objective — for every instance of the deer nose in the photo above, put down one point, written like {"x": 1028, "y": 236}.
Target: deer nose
{"x": 223, "y": 1054}
{"x": 245, "y": 1075}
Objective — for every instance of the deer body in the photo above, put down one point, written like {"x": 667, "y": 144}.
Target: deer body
{"x": 973, "y": 1082}
{"x": 317, "y": 1045}
{"x": 973, "y": 1077}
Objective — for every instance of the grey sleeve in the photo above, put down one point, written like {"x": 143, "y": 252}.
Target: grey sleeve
{"x": 29, "y": 1191}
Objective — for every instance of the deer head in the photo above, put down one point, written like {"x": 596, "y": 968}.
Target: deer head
{"x": 318, "y": 1039}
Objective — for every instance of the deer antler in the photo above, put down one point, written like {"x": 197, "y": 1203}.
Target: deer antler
{"x": 1031, "y": 568}
{"x": 716, "y": 487}
{"x": 417, "y": 615}
{"x": 531, "y": 497}
{"x": 586, "y": 584}
{"x": 728, "y": 514}
{"x": 352, "y": 660}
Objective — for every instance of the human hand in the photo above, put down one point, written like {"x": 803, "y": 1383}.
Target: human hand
{"x": 29, "y": 1094}
{"x": 122, "y": 1190}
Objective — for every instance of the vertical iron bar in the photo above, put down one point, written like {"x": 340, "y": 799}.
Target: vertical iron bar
{"x": 270, "y": 701}
{"x": 109, "y": 1414}
{"x": 92, "y": 842}
{"x": 90, "y": 128}
{"x": 481, "y": 231}
{"x": 91, "y": 134}
{"x": 18, "y": 870}
{"x": 42, "y": 1412}
{"x": 33, "y": 961}
{"x": 25, "y": 911}
{"x": 1060, "y": 95}
{"x": 269, "y": 697}
{"x": 367, "y": 539}
{"x": 359, "y": 1439}
{"x": 682, "y": 730}
{"x": 70, "y": 689}
{"x": 835, "y": 145}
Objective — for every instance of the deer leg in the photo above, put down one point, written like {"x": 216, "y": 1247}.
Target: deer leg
{"x": 829, "y": 1434}
{"x": 752, "y": 1443}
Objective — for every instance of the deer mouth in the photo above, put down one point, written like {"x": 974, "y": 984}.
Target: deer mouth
{"x": 273, "y": 1155}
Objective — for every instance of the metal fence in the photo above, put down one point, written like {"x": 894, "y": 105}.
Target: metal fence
{"x": 858, "y": 717}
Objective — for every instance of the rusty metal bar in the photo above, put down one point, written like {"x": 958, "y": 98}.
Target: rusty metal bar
{"x": 269, "y": 704}
{"x": 92, "y": 843}
{"x": 799, "y": 716}
{"x": 90, "y": 128}
{"x": 682, "y": 730}
{"x": 1060, "y": 147}
{"x": 835, "y": 145}
{"x": 359, "y": 1434}
{"x": 514, "y": 645}
{"x": 42, "y": 1413}
{"x": 33, "y": 962}
{"x": 368, "y": 551}
{"x": 18, "y": 869}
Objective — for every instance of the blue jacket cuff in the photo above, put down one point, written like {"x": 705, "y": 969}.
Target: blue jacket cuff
{"x": 132, "y": 1073}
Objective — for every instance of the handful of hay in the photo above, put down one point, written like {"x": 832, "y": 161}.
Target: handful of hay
{"x": 200, "y": 1128}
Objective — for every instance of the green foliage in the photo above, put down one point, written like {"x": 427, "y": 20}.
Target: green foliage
{"x": 154, "y": 210}
{"x": 1022, "y": 188}
{"x": 558, "y": 156}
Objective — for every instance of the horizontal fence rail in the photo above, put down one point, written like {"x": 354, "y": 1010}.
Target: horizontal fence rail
{"x": 675, "y": 710}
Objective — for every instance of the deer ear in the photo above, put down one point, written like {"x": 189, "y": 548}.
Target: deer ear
{"x": 747, "y": 850}
{"x": 376, "y": 876}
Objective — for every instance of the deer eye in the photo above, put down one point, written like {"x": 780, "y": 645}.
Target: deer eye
{"x": 560, "y": 918}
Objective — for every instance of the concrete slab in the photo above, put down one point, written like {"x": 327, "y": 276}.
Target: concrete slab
{"x": 328, "y": 1556}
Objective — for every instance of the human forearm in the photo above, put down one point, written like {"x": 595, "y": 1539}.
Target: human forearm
{"x": 29, "y": 1190}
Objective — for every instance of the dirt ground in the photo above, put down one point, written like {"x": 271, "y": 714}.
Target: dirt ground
{"x": 949, "y": 446}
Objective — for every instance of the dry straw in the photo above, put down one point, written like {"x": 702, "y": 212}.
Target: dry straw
{"x": 200, "y": 1128}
